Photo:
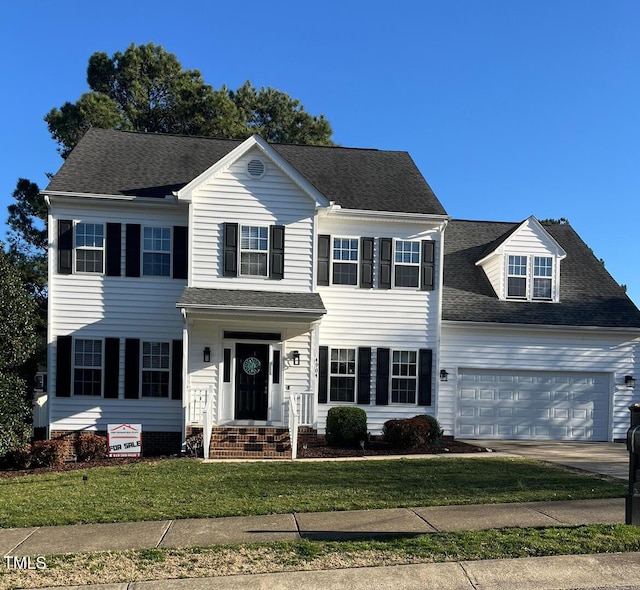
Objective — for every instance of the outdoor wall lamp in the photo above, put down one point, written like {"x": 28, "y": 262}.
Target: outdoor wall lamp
{"x": 444, "y": 376}
{"x": 295, "y": 355}
{"x": 206, "y": 354}
{"x": 629, "y": 381}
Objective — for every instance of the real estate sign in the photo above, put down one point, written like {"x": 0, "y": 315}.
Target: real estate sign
{"x": 125, "y": 440}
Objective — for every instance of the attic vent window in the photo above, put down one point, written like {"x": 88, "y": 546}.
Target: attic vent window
{"x": 256, "y": 168}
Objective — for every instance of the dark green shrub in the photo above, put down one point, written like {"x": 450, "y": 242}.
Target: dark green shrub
{"x": 49, "y": 453}
{"x": 90, "y": 446}
{"x": 435, "y": 430}
{"x": 346, "y": 426}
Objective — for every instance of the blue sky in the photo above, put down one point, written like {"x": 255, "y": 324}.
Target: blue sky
{"x": 508, "y": 107}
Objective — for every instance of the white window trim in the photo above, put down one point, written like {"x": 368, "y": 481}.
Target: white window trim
{"x": 77, "y": 248}
{"x": 143, "y": 251}
{"x": 392, "y": 376}
{"x": 74, "y": 367}
{"x": 354, "y": 376}
{"x": 529, "y": 278}
{"x": 143, "y": 369}
{"x": 355, "y": 262}
{"x": 252, "y": 251}
{"x": 411, "y": 264}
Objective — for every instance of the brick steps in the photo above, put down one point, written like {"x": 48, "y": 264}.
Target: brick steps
{"x": 250, "y": 442}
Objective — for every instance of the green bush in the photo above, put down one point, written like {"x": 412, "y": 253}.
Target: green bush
{"x": 90, "y": 446}
{"x": 49, "y": 453}
{"x": 346, "y": 426}
{"x": 413, "y": 432}
{"x": 18, "y": 458}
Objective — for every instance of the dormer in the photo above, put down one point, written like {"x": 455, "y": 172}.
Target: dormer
{"x": 524, "y": 264}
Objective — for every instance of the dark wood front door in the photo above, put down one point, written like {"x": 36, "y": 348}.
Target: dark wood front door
{"x": 252, "y": 381}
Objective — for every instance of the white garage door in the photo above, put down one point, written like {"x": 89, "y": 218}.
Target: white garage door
{"x": 532, "y": 405}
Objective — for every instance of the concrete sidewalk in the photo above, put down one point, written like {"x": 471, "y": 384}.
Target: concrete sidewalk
{"x": 357, "y": 524}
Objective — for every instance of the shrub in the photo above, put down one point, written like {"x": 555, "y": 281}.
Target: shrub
{"x": 346, "y": 426}
{"x": 19, "y": 458}
{"x": 49, "y": 453}
{"x": 435, "y": 430}
{"x": 90, "y": 446}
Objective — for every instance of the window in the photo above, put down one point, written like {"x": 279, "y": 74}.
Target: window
{"x": 542, "y": 273}
{"x": 87, "y": 367}
{"x": 156, "y": 251}
{"x": 156, "y": 361}
{"x": 407, "y": 264}
{"x": 254, "y": 247}
{"x": 517, "y": 277}
{"x": 404, "y": 376}
{"x": 342, "y": 375}
{"x": 345, "y": 261}
{"x": 89, "y": 247}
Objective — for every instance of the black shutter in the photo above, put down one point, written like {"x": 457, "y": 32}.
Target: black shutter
{"x": 386, "y": 254}
{"x": 133, "y": 250}
{"x": 180, "y": 260}
{"x": 63, "y": 366}
{"x": 230, "y": 250}
{"x": 65, "y": 246}
{"x": 276, "y": 252}
{"x": 324, "y": 252}
{"x": 366, "y": 263}
{"x": 176, "y": 369}
{"x": 111, "y": 367}
{"x": 364, "y": 376}
{"x": 323, "y": 374}
{"x": 132, "y": 368}
{"x": 425, "y": 377}
{"x": 382, "y": 377}
{"x": 427, "y": 264}
{"x": 226, "y": 369}
{"x": 114, "y": 249}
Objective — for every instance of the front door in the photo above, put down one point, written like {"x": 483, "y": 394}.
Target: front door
{"x": 252, "y": 381}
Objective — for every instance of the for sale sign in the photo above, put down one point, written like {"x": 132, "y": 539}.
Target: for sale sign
{"x": 125, "y": 440}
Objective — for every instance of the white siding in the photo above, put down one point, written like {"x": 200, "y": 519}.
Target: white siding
{"x": 271, "y": 200}
{"x": 97, "y": 306}
{"x": 536, "y": 349}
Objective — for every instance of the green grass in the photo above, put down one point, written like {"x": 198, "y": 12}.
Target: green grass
{"x": 183, "y": 488}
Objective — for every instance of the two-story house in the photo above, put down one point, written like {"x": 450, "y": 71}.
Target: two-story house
{"x": 223, "y": 285}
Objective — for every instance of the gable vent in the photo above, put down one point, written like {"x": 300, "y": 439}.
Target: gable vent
{"x": 256, "y": 168}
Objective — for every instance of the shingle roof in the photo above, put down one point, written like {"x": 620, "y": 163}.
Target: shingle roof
{"x": 245, "y": 300}
{"x": 589, "y": 296}
{"x": 144, "y": 164}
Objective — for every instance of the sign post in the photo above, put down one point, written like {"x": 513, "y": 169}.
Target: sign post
{"x": 125, "y": 440}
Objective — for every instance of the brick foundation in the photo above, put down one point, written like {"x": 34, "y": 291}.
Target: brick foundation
{"x": 153, "y": 443}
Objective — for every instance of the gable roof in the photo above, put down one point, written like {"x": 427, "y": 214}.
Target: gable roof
{"x": 108, "y": 162}
{"x": 589, "y": 296}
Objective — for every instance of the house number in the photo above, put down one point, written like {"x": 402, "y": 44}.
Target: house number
{"x": 251, "y": 366}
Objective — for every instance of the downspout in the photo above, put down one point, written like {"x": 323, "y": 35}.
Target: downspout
{"x": 185, "y": 388}
{"x": 439, "y": 323}
{"x": 50, "y": 260}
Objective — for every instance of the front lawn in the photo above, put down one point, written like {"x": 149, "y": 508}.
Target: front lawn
{"x": 185, "y": 488}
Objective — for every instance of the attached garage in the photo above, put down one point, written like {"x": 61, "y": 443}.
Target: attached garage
{"x": 532, "y": 405}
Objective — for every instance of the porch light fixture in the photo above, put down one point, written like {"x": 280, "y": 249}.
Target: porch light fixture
{"x": 206, "y": 354}
{"x": 444, "y": 376}
{"x": 629, "y": 381}
{"x": 295, "y": 355}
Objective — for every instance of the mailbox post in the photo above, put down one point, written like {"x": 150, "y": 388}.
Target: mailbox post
{"x": 632, "y": 511}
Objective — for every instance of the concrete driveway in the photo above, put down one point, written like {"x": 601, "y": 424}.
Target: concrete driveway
{"x": 610, "y": 459}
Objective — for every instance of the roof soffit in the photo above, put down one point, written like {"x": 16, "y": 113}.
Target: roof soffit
{"x": 255, "y": 141}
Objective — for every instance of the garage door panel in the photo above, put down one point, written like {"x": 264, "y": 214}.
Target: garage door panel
{"x": 533, "y": 405}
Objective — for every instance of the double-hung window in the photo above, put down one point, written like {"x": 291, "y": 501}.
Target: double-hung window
{"x": 404, "y": 376}
{"x": 87, "y": 367}
{"x": 517, "y": 277}
{"x": 542, "y": 276}
{"x": 89, "y": 247}
{"x": 345, "y": 261}
{"x": 407, "y": 264}
{"x": 156, "y": 362}
{"x": 156, "y": 251}
{"x": 342, "y": 375}
{"x": 254, "y": 249}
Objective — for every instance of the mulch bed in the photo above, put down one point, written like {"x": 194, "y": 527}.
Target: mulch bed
{"x": 375, "y": 448}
